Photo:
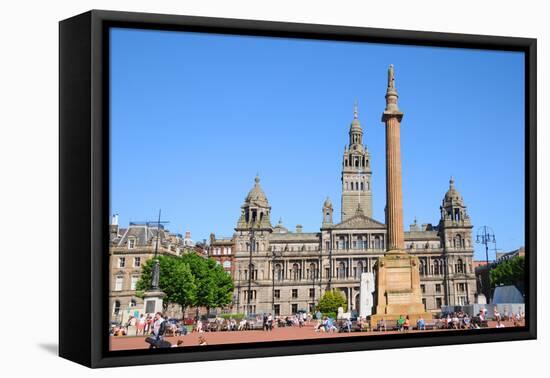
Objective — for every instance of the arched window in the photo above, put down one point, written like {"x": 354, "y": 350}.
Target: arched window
{"x": 457, "y": 242}
{"x": 278, "y": 272}
{"x": 342, "y": 270}
{"x": 356, "y": 162}
{"x": 362, "y": 186}
{"x": 253, "y": 272}
{"x": 295, "y": 273}
{"x": 437, "y": 270}
{"x": 459, "y": 267}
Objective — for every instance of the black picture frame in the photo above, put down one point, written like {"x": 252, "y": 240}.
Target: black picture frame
{"x": 84, "y": 185}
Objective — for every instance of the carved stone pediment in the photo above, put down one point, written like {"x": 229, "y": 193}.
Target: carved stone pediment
{"x": 359, "y": 222}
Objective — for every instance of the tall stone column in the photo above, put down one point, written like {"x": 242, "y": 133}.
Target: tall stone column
{"x": 397, "y": 275}
{"x": 394, "y": 192}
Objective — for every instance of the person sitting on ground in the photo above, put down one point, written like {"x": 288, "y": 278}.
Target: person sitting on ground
{"x": 242, "y": 325}
{"x": 466, "y": 321}
{"x": 319, "y": 326}
{"x": 400, "y": 323}
{"x": 455, "y": 321}
{"x": 407, "y": 324}
{"x": 202, "y": 340}
{"x": 421, "y": 324}
{"x": 382, "y": 325}
{"x": 347, "y": 325}
{"x": 178, "y": 344}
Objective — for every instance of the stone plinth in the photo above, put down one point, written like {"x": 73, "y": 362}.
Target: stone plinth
{"x": 152, "y": 301}
{"x": 398, "y": 288}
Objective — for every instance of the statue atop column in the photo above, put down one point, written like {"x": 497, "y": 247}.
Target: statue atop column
{"x": 391, "y": 77}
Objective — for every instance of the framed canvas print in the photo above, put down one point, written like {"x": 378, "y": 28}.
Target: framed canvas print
{"x": 235, "y": 188}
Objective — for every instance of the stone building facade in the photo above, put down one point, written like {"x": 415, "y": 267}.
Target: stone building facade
{"x": 283, "y": 271}
{"x": 222, "y": 250}
{"x": 129, "y": 250}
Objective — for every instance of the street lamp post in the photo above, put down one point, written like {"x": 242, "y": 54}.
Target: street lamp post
{"x": 274, "y": 254}
{"x": 486, "y": 235}
{"x": 313, "y": 275}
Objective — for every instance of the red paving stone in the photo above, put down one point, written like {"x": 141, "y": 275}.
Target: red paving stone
{"x": 237, "y": 337}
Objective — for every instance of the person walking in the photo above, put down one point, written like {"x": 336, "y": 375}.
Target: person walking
{"x": 159, "y": 330}
{"x": 141, "y": 325}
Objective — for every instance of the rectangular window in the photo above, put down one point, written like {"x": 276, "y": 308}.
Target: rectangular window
{"x": 277, "y": 294}
{"x": 137, "y": 262}
{"x": 311, "y": 293}
{"x": 424, "y": 302}
{"x": 121, "y": 262}
{"x": 133, "y": 282}
{"x": 277, "y": 310}
{"x": 294, "y": 308}
{"x": 131, "y": 243}
{"x": 294, "y": 293}
{"x": 438, "y": 302}
{"x": 423, "y": 288}
{"x": 438, "y": 288}
{"x": 118, "y": 283}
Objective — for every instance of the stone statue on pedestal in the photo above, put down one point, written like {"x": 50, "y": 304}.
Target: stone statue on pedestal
{"x": 153, "y": 298}
{"x": 366, "y": 295}
{"x": 155, "y": 276}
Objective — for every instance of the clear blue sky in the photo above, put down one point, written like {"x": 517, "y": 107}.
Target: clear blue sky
{"x": 194, "y": 117}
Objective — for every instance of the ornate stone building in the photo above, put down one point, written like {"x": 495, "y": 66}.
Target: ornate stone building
{"x": 222, "y": 250}
{"x": 129, "y": 249}
{"x": 282, "y": 271}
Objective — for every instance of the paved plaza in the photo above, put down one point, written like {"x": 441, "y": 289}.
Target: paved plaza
{"x": 277, "y": 334}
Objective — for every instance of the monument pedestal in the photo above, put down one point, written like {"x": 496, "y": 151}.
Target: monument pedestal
{"x": 398, "y": 289}
{"x": 153, "y": 300}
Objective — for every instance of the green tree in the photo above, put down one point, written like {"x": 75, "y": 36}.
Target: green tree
{"x": 204, "y": 280}
{"x": 175, "y": 280}
{"x": 509, "y": 272}
{"x": 331, "y": 300}
{"x": 223, "y": 283}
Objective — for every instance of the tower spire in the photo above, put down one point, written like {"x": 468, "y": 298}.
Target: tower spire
{"x": 355, "y": 110}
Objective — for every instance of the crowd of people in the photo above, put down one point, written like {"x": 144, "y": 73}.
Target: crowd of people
{"x": 156, "y": 327}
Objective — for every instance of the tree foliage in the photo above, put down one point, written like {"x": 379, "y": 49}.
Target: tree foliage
{"x": 509, "y": 272}
{"x": 331, "y": 300}
{"x": 175, "y": 280}
{"x": 190, "y": 280}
